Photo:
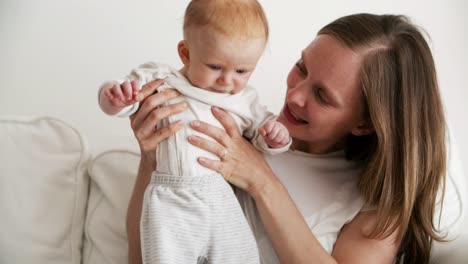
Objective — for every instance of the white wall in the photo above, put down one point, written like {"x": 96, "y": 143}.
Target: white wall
{"x": 55, "y": 53}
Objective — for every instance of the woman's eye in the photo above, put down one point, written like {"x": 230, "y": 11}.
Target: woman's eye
{"x": 300, "y": 66}
{"x": 214, "y": 67}
{"x": 320, "y": 97}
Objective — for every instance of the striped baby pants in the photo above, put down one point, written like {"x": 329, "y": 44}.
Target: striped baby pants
{"x": 189, "y": 220}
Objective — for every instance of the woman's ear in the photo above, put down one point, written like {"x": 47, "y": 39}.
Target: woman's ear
{"x": 363, "y": 129}
{"x": 184, "y": 53}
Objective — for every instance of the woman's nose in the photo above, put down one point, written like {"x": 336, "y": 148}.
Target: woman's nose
{"x": 297, "y": 96}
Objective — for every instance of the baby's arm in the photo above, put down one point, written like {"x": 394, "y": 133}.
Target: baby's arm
{"x": 113, "y": 97}
{"x": 264, "y": 132}
{"x": 276, "y": 135}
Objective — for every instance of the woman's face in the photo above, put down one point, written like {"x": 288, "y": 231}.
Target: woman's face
{"x": 324, "y": 102}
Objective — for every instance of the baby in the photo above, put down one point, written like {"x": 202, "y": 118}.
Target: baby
{"x": 190, "y": 213}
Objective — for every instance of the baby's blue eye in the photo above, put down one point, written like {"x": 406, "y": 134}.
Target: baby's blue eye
{"x": 214, "y": 67}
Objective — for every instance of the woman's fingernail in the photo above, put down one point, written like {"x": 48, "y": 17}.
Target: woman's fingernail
{"x": 215, "y": 109}
{"x": 193, "y": 138}
{"x": 195, "y": 123}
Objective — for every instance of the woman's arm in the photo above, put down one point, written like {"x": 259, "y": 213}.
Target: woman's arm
{"x": 144, "y": 124}
{"x": 145, "y": 169}
{"x": 294, "y": 242}
{"x": 290, "y": 235}
{"x": 354, "y": 246}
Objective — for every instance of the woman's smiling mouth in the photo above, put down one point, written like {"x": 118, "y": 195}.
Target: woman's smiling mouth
{"x": 292, "y": 118}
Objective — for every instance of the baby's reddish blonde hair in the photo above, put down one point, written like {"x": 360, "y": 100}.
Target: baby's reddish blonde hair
{"x": 234, "y": 18}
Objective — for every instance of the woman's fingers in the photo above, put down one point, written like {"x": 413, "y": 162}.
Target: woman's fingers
{"x": 227, "y": 121}
{"x": 214, "y": 132}
{"x": 214, "y": 165}
{"x": 218, "y": 134}
{"x": 208, "y": 145}
{"x": 150, "y": 113}
{"x": 238, "y": 158}
{"x": 157, "y": 100}
{"x": 158, "y": 114}
{"x": 152, "y": 141}
{"x": 151, "y": 103}
{"x": 149, "y": 89}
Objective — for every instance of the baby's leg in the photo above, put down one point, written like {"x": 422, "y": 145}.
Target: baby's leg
{"x": 174, "y": 223}
{"x": 232, "y": 240}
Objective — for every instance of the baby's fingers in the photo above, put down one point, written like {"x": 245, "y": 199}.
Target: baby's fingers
{"x": 262, "y": 131}
{"x": 126, "y": 89}
{"x": 135, "y": 88}
{"x": 117, "y": 92}
{"x": 268, "y": 126}
{"x": 281, "y": 137}
{"x": 273, "y": 133}
{"x": 108, "y": 94}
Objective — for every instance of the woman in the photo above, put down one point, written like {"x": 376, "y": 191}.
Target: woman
{"x": 364, "y": 93}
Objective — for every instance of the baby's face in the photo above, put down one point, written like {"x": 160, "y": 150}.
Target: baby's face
{"x": 220, "y": 63}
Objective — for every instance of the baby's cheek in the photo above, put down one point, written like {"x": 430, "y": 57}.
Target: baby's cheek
{"x": 199, "y": 82}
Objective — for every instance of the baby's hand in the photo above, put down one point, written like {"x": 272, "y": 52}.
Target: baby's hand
{"x": 276, "y": 134}
{"x": 122, "y": 95}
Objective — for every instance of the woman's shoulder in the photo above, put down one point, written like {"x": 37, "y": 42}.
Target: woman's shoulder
{"x": 354, "y": 237}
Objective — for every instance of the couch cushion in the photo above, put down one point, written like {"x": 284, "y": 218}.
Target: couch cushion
{"x": 43, "y": 191}
{"x": 112, "y": 176}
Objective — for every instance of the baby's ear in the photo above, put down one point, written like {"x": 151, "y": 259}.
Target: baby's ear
{"x": 184, "y": 53}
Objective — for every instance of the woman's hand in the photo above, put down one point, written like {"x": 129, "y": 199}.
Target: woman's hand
{"x": 150, "y": 113}
{"x": 240, "y": 163}
{"x": 245, "y": 167}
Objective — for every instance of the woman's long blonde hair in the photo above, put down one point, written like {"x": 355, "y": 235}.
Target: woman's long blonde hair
{"x": 404, "y": 160}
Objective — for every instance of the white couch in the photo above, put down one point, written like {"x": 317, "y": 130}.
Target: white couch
{"x": 61, "y": 204}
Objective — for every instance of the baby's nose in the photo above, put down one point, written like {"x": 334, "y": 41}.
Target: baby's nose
{"x": 225, "y": 79}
